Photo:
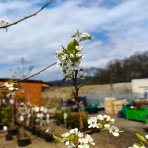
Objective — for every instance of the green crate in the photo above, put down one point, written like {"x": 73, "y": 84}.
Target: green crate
{"x": 140, "y": 114}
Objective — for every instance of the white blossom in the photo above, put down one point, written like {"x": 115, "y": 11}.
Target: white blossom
{"x": 39, "y": 115}
{"x": 5, "y": 128}
{"x": 74, "y": 131}
{"x": 3, "y": 23}
{"x": 85, "y": 36}
{"x": 79, "y": 48}
{"x": 45, "y": 110}
{"x": 22, "y": 103}
{"x": 65, "y": 115}
{"x": 47, "y": 130}
{"x": 92, "y": 122}
{"x": 21, "y": 118}
{"x": 65, "y": 134}
{"x": 112, "y": 120}
{"x": 71, "y": 56}
{"x": 11, "y": 101}
{"x": 78, "y": 55}
{"x": 107, "y": 126}
{"x": 42, "y": 109}
{"x": 48, "y": 115}
{"x": 146, "y": 136}
{"x": 29, "y": 115}
{"x": 100, "y": 117}
{"x": 36, "y": 109}
{"x": 114, "y": 130}
{"x": 3, "y": 101}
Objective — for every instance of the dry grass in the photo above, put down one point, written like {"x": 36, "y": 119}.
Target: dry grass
{"x": 53, "y": 95}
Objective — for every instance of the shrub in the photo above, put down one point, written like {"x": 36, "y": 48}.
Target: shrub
{"x": 72, "y": 119}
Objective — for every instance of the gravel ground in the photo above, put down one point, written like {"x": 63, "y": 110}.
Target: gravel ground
{"x": 102, "y": 139}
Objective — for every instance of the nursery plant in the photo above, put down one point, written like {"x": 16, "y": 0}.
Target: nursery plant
{"x": 23, "y": 116}
{"x": 5, "y": 108}
{"x": 69, "y": 60}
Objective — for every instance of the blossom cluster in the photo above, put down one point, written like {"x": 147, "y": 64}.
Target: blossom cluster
{"x": 7, "y": 101}
{"x": 103, "y": 122}
{"x": 3, "y": 23}
{"x": 24, "y": 112}
{"x": 28, "y": 115}
{"x": 75, "y": 138}
{"x": 10, "y": 86}
{"x": 41, "y": 113}
{"x": 7, "y": 98}
{"x": 69, "y": 59}
{"x": 9, "y": 94}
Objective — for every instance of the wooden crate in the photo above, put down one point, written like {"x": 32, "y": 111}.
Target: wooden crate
{"x": 113, "y": 106}
{"x": 108, "y": 103}
{"x": 117, "y": 105}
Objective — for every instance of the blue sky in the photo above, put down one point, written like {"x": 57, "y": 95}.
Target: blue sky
{"x": 119, "y": 29}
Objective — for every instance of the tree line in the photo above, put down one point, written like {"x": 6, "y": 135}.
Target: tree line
{"x": 133, "y": 67}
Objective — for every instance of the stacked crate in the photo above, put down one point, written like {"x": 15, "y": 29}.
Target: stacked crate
{"x": 117, "y": 105}
{"x": 108, "y": 103}
{"x": 113, "y": 106}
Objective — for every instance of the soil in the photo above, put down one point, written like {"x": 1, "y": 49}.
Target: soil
{"x": 102, "y": 139}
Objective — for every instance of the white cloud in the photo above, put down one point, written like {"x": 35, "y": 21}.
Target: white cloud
{"x": 38, "y": 38}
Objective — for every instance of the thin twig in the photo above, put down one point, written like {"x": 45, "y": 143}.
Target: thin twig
{"x": 26, "y": 17}
{"x": 42, "y": 70}
{"x": 37, "y": 72}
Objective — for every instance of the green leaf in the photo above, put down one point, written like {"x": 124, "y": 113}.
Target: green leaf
{"x": 141, "y": 137}
{"x": 137, "y": 144}
{"x": 57, "y": 138}
{"x": 121, "y": 131}
{"x": 73, "y": 36}
{"x": 71, "y": 46}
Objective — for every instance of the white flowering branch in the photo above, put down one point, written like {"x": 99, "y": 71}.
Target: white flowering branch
{"x": 69, "y": 60}
{"x": 6, "y": 24}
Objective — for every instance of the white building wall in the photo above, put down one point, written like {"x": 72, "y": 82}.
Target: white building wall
{"x": 139, "y": 85}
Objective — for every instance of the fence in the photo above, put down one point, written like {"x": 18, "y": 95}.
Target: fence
{"x": 99, "y": 98}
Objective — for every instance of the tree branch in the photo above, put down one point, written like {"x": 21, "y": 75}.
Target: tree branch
{"x": 42, "y": 70}
{"x": 27, "y": 17}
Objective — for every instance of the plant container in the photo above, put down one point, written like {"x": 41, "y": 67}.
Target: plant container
{"x": 23, "y": 141}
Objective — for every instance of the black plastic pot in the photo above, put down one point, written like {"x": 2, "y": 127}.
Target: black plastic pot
{"x": 27, "y": 128}
{"x": 48, "y": 137}
{"x": 23, "y": 142}
{"x": 42, "y": 134}
{"x": 13, "y": 131}
{"x": 33, "y": 130}
{"x": 38, "y": 133}
{"x": 9, "y": 137}
{"x": 1, "y": 127}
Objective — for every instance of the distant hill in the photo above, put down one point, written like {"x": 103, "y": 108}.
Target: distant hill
{"x": 91, "y": 72}
{"x": 87, "y": 81}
